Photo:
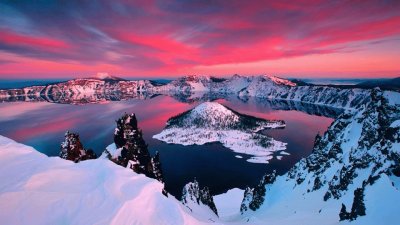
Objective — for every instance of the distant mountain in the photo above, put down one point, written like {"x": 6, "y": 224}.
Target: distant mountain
{"x": 300, "y": 82}
{"x": 386, "y": 84}
{"x": 333, "y": 81}
{"x": 213, "y": 122}
{"x": 107, "y": 77}
{"x": 107, "y": 88}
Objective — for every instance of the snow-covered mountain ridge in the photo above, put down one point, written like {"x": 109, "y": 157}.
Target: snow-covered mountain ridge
{"x": 92, "y": 90}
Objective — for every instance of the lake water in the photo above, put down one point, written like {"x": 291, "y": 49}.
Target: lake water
{"x": 42, "y": 125}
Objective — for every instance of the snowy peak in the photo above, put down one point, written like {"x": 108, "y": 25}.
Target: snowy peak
{"x": 195, "y": 78}
{"x": 281, "y": 81}
{"x": 189, "y": 84}
{"x": 212, "y": 106}
{"x": 107, "y": 77}
{"x": 217, "y": 116}
{"x": 214, "y": 113}
{"x": 269, "y": 80}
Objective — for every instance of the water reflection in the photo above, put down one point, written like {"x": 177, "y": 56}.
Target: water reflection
{"x": 102, "y": 98}
{"x": 43, "y": 124}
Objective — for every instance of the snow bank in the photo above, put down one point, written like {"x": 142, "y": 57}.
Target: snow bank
{"x": 36, "y": 189}
{"x": 228, "y": 204}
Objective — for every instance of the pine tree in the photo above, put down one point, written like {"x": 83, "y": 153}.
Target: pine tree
{"x": 358, "y": 207}
{"x": 344, "y": 215}
{"x": 192, "y": 193}
{"x": 258, "y": 197}
{"x": 119, "y": 139}
{"x": 156, "y": 166}
{"x": 207, "y": 199}
{"x": 247, "y": 197}
{"x": 259, "y": 191}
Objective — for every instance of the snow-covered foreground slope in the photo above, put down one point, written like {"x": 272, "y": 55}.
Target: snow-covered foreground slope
{"x": 36, "y": 189}
{"x": 213, "y": 122}
{"x": 352, "y": 174}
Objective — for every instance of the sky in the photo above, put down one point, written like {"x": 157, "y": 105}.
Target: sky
{"x": 166, "y": 39}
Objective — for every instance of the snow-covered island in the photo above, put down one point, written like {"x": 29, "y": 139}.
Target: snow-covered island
{"x": 213, "y": 122}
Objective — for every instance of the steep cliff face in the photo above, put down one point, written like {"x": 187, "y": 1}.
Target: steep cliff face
{"x": 357, "y": 157}
{"x": 131, "y": 150}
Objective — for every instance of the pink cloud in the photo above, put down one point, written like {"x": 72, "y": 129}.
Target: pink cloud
{"x": 15, "y": 39}
{"x": 152, "y": 38}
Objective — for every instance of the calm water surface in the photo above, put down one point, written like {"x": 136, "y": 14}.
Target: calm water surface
{"x": 42, "y": 125}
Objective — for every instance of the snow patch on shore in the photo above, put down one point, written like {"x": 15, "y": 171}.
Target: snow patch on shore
{"x": 238, "y": 141}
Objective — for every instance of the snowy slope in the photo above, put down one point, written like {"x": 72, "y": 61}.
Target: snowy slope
{"x": 213, "y": 122}
{"x": 228, "y": 204}
{"x": 352, "y": 174}
{"x": 278, "y": 80}
{"x": 36, "y": 189}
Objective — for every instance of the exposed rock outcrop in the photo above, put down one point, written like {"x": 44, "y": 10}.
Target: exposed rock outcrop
{"x": 132, "y": 151}
{"x": 193, "y": 196}
{"x": 72, "y": 149}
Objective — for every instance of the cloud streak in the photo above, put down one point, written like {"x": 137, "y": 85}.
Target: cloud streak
{"x": 160, "y": 38}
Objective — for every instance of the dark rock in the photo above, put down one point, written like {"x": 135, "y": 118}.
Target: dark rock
{"x": 193, "y": 193}
{"x": 72, "y": 149}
